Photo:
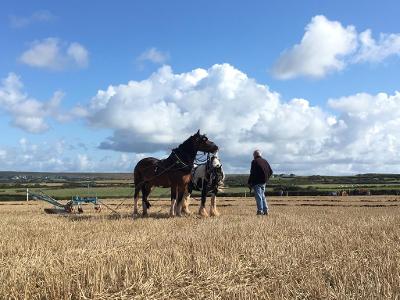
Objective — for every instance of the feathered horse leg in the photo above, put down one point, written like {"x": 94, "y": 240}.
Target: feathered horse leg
{"x": 145, "y": 202}
{"x": 135, "y": 201}
{"x": 213, "y": 208}
{"x": 202, "y": 209}
{"x": 185, "y": 203}
{"x": 174, "y": 191}
{"x": 180, "y": 194}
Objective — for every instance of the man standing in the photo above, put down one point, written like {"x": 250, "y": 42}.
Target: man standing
{"x": 260, "y": 172}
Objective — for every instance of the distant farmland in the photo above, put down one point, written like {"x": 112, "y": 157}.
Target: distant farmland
{"x": 120, "y": 185}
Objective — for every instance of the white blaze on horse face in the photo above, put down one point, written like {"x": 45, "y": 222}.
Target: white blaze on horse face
{"x": 215, "y": 162}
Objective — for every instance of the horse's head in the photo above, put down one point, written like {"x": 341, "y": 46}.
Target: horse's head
{"x": 202, "y": 143}
{"x": 215, "y": 162}
{"x": 217, "y": 171}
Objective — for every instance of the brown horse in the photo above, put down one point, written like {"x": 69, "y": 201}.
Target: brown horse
{"x": 173, "y": 172}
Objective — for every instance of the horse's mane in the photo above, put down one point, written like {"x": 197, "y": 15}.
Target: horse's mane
{"x": 187, "y": 143}
{"x": 186, "y": 151}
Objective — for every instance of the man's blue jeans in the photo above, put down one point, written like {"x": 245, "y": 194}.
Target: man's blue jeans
{"x": 259, "y": 193}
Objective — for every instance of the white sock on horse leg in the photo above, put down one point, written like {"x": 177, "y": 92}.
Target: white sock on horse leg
{"x": 172, "y": 209}
{"x": 178, "y": 208}
{"x": 185, "y": 204}
{"x": 135, "y": 206}
{"x": 202, "y": 211}
{"x": 213, "y": 207}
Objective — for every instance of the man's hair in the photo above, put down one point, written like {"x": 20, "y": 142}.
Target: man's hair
{"x": 257, "y": 153}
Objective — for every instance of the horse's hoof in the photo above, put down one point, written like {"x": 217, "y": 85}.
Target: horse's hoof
{"x": 203, "y": 212}
{"x": 186, "y": 212}
{"x": 214, "y": 213}
{"x": 145, "y": 215}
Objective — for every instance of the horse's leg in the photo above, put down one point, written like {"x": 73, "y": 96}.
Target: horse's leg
{"x": 180, "y": 193}
{"x": 173, "y": 201}
{"x": 145, "y": 194}
{"x": 185, "y": 202}
{"x": 213, "y": 209}
{"x": 202, "y": 209}
{"x": 135, "y": 201}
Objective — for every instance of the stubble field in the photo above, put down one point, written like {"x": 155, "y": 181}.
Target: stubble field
{"x": 308, "y": 248}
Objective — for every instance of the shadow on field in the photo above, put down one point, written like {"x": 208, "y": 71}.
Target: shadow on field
{"x": 114, "y": 216}
{"x": 78, "y": 217}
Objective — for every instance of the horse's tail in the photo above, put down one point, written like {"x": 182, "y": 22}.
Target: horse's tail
{"x": 139, "y": 185}
{"x": 137, "y": 179}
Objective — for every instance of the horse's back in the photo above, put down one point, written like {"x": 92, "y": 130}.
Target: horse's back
{"x": 145, "y": 167}
{"x": 150, "y": 170}
{"x": 146, "y": 162}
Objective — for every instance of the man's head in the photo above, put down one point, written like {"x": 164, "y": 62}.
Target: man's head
{"x": 256, "y": 153}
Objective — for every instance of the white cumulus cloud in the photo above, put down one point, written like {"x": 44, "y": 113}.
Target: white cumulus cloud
{"x": 366, "y": 135}
{"x": 28, "y": 113}
{"x": 376, "y": 51}
{"x": 53, "y": 54}
{"x": 240, "y": 114}
{"x": 358, "y": 135}
{"x": 322, "y": 49}
{"x": 329, "y": 46}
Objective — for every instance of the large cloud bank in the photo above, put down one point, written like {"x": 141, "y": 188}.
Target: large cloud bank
{"x": 240, "y": 115}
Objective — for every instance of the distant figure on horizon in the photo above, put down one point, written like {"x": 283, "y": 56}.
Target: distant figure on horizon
{"x": 260, "y": 172}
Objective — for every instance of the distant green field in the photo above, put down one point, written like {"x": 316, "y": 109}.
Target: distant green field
{"x": 330, "y": 187}
{"x": 121, "y": 185}
{"x": 102, "y": 192}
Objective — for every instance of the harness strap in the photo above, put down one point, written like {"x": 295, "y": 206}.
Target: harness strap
{"x": 179, "y": 160}
{"x": 163, "y": 171}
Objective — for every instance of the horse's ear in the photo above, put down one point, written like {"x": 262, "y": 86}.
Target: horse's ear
{"x": 198, "y": 132}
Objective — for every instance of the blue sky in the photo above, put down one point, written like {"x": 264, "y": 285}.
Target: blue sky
{"x": 104, "y": 43}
